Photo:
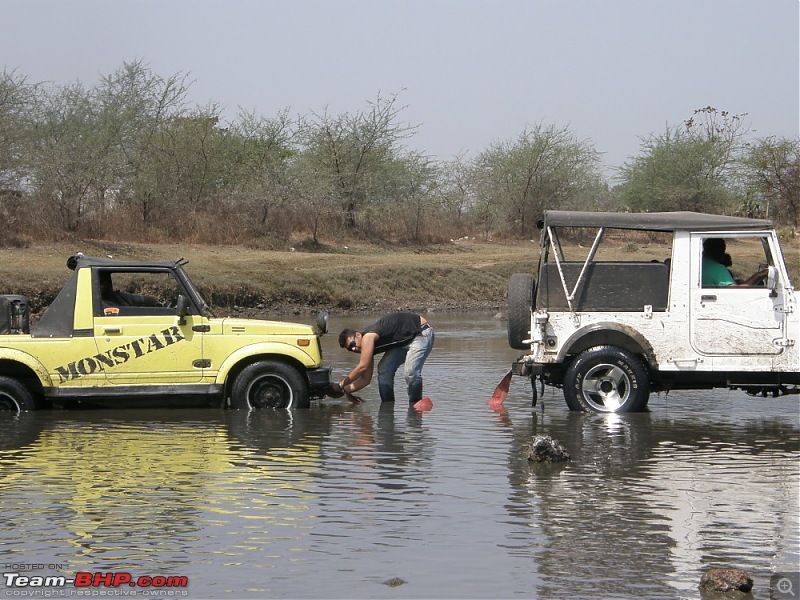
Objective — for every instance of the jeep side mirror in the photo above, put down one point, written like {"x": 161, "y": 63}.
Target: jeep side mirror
{"x": 181, "y": 307}
{"x": 322, "y": 323}
{"x": 772, "y": 281}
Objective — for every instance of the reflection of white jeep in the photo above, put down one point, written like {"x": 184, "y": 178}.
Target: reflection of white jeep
{"x": 620, "y": 309}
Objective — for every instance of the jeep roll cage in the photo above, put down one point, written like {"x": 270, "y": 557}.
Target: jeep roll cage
{"x": 660, "y": 222}
{"x": 57, "y": 321}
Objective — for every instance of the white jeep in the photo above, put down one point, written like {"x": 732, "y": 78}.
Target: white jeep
{"x": 611, "y": 330}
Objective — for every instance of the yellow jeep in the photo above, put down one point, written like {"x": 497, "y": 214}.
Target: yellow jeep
{"x": 139, "y": 333}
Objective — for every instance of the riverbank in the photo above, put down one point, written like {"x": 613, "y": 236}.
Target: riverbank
{"x": 466, "y": 275}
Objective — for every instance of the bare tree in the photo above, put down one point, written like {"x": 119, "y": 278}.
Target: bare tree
{"x": 455, "y": 192}
{"x": 70, "y": 155}
{"x": 142, "y": 105}
{"x": 261, "y": 154}
{"x": 773, "y": 169}
{"x": 17, "y": 98}
{"x": 350, "y": 151}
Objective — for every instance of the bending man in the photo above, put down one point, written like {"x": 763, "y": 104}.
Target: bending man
{"x": 402, "y": 337}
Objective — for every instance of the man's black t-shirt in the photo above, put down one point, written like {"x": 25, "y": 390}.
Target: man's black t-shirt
{"x": 395, "y": 329}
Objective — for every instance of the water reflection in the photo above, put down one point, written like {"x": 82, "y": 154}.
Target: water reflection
{"x": 334, "y": 501}
{"x": 649, "y": 501}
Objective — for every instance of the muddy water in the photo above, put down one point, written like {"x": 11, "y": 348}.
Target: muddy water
{"x": 378, "y": 502}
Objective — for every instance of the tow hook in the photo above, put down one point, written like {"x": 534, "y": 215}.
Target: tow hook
{"x": 521, "y": 368}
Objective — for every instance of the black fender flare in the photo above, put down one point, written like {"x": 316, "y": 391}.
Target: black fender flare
{"x": 618, "y": 335}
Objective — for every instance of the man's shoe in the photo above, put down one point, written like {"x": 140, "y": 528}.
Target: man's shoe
{"x": 423, "y": 405}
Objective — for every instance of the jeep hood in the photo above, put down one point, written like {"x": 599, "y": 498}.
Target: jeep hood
{"x": 234, "y": 326}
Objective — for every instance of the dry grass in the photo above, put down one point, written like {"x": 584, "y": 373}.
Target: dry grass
{"x": 468, "y": 275}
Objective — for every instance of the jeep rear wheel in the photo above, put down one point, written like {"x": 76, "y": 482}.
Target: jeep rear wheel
{"x": 269, "y": 384}
{"x": 606, "y": 379}
{"x": 521, "y": 289}
{"x": 15, "y": 397}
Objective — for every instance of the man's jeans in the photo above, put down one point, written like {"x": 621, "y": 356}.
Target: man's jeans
{"x": 413, "y": 355}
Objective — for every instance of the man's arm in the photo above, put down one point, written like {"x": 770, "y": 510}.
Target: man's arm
{"x": 361, "y": 375}
{"x": 754, "y": 279}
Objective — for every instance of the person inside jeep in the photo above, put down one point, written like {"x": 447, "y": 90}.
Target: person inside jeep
{"x": 112, "y": 297}
{"x": 715, "y": 267}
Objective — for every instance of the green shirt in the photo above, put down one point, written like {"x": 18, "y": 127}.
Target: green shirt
{"x": 715, "y": 274}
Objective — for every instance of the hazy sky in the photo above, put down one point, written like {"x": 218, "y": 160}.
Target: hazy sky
{"x": 471, "y": 72}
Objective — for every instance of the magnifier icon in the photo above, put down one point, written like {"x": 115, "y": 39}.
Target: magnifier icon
{"x": 784, "y": 586}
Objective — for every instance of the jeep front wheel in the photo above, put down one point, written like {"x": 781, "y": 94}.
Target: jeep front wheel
{"x": 269, "y": 384}
{"x": 15, "y": 397}
{"x": 606, "y": 379}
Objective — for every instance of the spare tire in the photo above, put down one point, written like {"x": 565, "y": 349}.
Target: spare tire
{"x": 521, "y": 288}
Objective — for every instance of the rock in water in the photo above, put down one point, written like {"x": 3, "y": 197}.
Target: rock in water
{"x": 546, "y": 449}
{"x": 726, "y": 580}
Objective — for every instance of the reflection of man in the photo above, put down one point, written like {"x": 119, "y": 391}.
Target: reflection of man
{"x": 716, "y": 273}
{"x": 111, "y": 297}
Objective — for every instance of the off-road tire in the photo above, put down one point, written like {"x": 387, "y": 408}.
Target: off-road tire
{"x": 269, "y": 384}
{"x": 15, "y": 397}
{"x": 521, "y": 288}
{"x": 607, "y": 379}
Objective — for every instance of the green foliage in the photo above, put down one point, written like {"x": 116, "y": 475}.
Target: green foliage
{"x": 130, "y": 159}
{"x": 690, "y": 167}
{"x": 545, "y": 167}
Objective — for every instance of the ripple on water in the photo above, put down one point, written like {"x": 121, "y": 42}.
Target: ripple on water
{"x": 336, "y": 500}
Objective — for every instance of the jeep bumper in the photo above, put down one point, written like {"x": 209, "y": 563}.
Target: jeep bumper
{"x": 526, "y": 369}
{"x": 319, "y": 380}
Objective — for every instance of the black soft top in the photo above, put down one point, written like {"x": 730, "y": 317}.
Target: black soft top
{"x": 58, "y": 319}
{"x": 657, "y": 221}
{"x": 79, "y": 261}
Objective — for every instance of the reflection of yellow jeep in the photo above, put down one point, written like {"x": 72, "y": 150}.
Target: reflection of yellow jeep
{"x": 136, "y": 333}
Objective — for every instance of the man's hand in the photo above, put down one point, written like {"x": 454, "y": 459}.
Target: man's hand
{"x": 334, "y": 390}
{"x": 353, "y": 398}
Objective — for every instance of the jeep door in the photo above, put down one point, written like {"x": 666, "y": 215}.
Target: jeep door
{"x": 139, "y": 337}
{"x": 736, "y": 319}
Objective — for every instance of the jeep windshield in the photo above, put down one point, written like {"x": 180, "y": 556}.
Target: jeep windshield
{"x": 202, "y": 305}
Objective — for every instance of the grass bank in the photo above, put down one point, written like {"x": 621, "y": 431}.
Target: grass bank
{"x": 468, "y": 275}
{"x": 238, "y": 280}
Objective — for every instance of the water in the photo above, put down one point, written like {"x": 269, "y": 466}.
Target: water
{"x": 382, "y": 502}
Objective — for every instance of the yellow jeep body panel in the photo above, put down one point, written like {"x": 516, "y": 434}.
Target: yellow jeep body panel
{"x": 82, "y": 347}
